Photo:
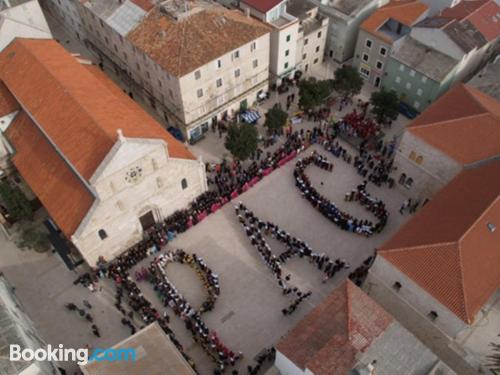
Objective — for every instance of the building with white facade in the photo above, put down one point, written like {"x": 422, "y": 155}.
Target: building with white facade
{"x": 22, "y": 19}
{"x": 16, "y": 328}
{"x": 444, "y": 263}
{"x": 345, "y": 18}
{"x": 103, "y": 169}
{"x": 194, "y": 62}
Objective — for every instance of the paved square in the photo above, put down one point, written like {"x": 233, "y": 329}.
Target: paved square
{"x": 247, "y": 315}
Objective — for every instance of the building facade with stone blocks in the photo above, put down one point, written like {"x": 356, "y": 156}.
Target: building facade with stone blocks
{"x": 193, "y": 65}
{"x": 446, "y": 139}
{"x": 104, "y": 170}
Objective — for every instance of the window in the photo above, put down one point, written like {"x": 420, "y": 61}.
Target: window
{"x": 184, "y": 184}
{"x": 365, "y": 73}
{"x": 402, "y": 67}
{"x": 125, "y": 55}
{"x": 413, "y": 156}
{"x": 106, "y": 39}
{"x": 408, "y": 85}
{"x": 416, "y": 104}
{"x": 424, "y": 79}
{"x": 319, "y": 34}
{"x": 159, "y": 83}
{"x": 317, "y": 49}
{"x": 398, "y": 79}
{"x": 199, "y": 93}
{"x": 253, "y": 46}
{"x": 419, "y": 159}
{"x": 419, "y": 92}
{"x": 412, "y": 73}
{"x": 365, "y": 57}
{"x": 288, "y": 38}
{"x": 218, "y": 82}
{"x": 286, "y": 65}
{"x": 236, "y": 55}
{"x": 379, "y": 65}
{"x": 397, "y": 286}
{"x": 491, "y": 227}
{"x": 304, "y": 56}
{"x": 219, "y": 64}
{"x": 368, "y": 43}
{"x": 255, "y": 63}
{"x": 159, "y": 182}
{"x": 383, "y": 51}
{"x": 287, "y": 52}
{"x": 197, "y": 74}
{"x": 237, "y": 73}
{"x": 315, "y": 61}
{"x": 102, "y": 234}
{"x": 171, "y": 93}
{"x": 102, "y": 23}
{"x": 306, "y": 41}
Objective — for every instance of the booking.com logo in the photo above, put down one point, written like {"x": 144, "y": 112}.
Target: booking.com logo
{"x": 80, "y": 356}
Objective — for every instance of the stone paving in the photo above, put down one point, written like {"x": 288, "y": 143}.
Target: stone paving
{"x": 247, "y": 315}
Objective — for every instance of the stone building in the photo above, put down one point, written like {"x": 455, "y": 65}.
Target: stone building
{"x": 444, "y": 261}
{"x": 194, "y": 64}
{"x": 349, "y": 333}
{"x": 298, "y": 34}
{"x": 102, "y": 168}
{"x": 345, "y": 17}
{"x": 378, "y": 33}
{"x": 457, "y": 132}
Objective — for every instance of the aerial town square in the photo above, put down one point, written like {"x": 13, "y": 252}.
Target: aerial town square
{"x": 250, "y": 187}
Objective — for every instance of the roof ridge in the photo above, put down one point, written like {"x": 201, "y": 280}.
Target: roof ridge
{"x": 348, "y": 308}
{"x": 68, "y": 92}
{"x": 462, "y": 284}
{"x": 417, "y": 247}
{"x": 475, "y": 94}
{"x": 446, "y": 121}
{"x": 3, "y": 16}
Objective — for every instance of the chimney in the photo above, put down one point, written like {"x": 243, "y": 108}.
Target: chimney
{"x": 247, "y": 12}
{"x": 121, "y": 138}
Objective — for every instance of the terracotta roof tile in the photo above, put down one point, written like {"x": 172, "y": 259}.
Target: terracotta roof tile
{"x": 447, "y": 247}
{"x": 405, "y": 11}
{"x": 464, "y": 124}
{"x": 327, "y": 340}
{"x": 76, "y": 110}
{"x": 487, "y": 20}
{"x": 7, "y": 102}
{"x": 145, "y": 5}
{"x": 263, "y": 6}
{"x": 463, "y": 9}
{"x": 58, "y": 188}
{"x": 181, "y": 47}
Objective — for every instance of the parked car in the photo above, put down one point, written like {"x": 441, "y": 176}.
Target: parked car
{"x": 408, "y": 111}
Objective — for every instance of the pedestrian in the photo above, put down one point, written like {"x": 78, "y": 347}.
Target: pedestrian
{"x": 87, "y": 304}
{"x": 95, "y": 330}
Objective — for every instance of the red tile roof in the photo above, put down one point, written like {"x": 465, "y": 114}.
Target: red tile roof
{"x": 58, "y": 188}
{"x": 75, "y": 108}
{"x": 463, "y": 9}
{"x": 327, "y": 340}
{"x": 448, "y": 249}
{"x": 145, "y": 5}
{"x": 183, "y": 46}
{"x": 405, "y": 11}
{"x": 262, "y": 6}
{"x": 464, "y": 124}
{"x": 7, "y": 102}
{"x": 487, "y": 20}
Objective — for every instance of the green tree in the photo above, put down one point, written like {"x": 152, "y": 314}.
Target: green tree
{"x": 34, "y": 238}
{"x": 241, "y": 140}
{"x": 15, "y": 202}
{"x": 313, "y": 93}
{"x": 385, "y": 105}
{"x": 275, "y": 119}
{"x": 347, "y": 81}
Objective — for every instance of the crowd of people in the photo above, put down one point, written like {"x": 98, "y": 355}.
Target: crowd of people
{"x": 356, "y": 124}
{"x": 256, "y": 229}
{"x": 171, "y": 297}
{"x": 340, "y": 218}
{"x": 359, "y": 275}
